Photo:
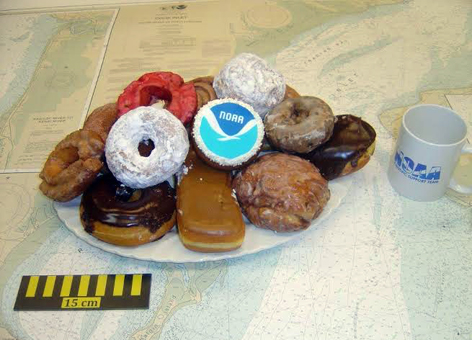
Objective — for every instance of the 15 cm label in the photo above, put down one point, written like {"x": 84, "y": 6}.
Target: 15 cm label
{"x": 86, "y": 302}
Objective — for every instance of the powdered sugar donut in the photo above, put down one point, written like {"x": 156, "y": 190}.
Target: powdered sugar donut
{"x": 251, "y": 80}
{"x": 144, "y": 123}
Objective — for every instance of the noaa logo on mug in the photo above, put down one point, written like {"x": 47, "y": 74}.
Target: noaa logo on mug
{"x": 229, "y": 130}
{"x": 416, "y": 171}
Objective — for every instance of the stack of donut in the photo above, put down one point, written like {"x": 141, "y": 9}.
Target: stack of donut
{"x": 141, "y": 168}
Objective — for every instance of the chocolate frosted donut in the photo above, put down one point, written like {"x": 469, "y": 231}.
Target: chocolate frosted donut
{"x": 349, "y": 149}
{"x": 120, "y": 215}
{"x": 299, "y": 124}
{"x": 281, "y": 192}
{"x": 251, "y": 80}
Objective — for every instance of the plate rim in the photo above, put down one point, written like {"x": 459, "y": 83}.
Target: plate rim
{"x": 62, "y": 210}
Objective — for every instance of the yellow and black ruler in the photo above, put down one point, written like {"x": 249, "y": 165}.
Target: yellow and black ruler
{"x": 66, "y": 292}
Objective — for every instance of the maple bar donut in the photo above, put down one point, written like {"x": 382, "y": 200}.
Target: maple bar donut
{"x": 101, "y": 120}
{"x": 119, "y": 215}
{"x": 73, "y": 164}
{"x": 227, "y": 134}
{"x": 299, "y": 124}
{"x": 208, "y": 216}
{"x": 180, "y": 97}
{"x": 170, "y": 147}
{"x": 250, "y": 79}
{"x": 281, "y": 192}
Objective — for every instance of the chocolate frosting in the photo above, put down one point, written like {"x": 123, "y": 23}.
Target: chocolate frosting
{"x": 149, "y": 207}
{"x": 350, "y": 139}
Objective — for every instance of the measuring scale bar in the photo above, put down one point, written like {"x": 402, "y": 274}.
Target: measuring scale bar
{"x": 65, "y": 292}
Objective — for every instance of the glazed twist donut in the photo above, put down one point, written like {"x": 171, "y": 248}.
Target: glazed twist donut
{"x": 72, "y": 165}
{"x": 101, "y": 120}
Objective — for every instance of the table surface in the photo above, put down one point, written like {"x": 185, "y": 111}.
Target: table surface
{"x": 378, "y": 267}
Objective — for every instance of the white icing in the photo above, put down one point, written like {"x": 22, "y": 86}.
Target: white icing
{"x": 170, "y": 140}
{"x": 251, "y": 80}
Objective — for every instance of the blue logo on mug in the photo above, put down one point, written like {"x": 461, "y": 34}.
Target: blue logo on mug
{"x": 417, "y": 171}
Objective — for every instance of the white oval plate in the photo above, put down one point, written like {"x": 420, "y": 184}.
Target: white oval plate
{"x": 170, "y": 249}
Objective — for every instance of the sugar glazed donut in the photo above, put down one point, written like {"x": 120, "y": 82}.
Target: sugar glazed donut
{"x": 299, "y": 124}
{"x": 101, "y": 120}
{"x": 180, "y": 97}
{"x": 118, "y": 215}
{"x": 281, "y": 192}
{"x": 251, "y": 80}
{"x": 168, "y": 136}
{"x": 72, "y": 165}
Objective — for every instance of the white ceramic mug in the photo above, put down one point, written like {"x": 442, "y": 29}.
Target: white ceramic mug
{"x": 430, "y": 142}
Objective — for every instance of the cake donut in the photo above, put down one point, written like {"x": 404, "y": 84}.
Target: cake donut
{"x": 119, "y": 215}
{"x": 299, "y": 124}
{"x": 250, "y": 79}
{"x": 281, "y": 192}
{"x": 170, "y": 147}
{"x": 227, "y": 134}
{"x": 208, "y": 215}
{"x": 180, "y": 97}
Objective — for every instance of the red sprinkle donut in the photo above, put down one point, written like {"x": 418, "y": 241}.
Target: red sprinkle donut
{"x": 181, "y": 97}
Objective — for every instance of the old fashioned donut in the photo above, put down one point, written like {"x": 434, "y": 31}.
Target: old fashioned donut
{"x": 251, "y": 80}
{"x": 101, "y": 120}
{"x": 180, "y": 97}
{"x": 204, "y": 89}
{"x": 348, "y": 150}
{"x": 281, "y": 192}
{"x": 119, "y": 215}
{"x": 299, "y": 124}
{"x": 72, "y": 165}
{"x": 170, "y": 142}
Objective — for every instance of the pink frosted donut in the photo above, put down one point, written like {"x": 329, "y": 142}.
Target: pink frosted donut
{"x": 145, "y": 123}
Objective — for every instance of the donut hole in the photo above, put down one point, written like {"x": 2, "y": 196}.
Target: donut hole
{"x": 145, "y": 147}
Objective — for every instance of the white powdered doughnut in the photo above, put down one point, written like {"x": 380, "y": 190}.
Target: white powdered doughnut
{"x": 170, "y": 140}
{"x": 251, "y": 80}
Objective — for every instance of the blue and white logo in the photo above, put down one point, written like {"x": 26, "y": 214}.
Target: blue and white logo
{"x": 416, "y": 171}
{"x": 229, "y": 130}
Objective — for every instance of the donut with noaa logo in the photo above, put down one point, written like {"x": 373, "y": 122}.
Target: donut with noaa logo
{"x": 227, "y": 133}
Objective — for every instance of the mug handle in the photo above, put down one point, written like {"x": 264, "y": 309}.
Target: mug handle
{"x": 463, "y": 189}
